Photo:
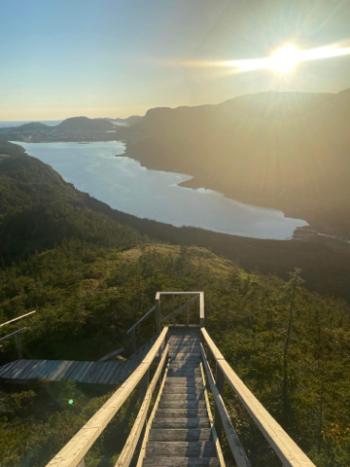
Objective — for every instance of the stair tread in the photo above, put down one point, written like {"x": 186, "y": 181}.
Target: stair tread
{"x": 180, "y": 461}
{"x": 184, "y": 448}
{"x": 182, "y": 413}
{"x": 180, "y": 434}
{"x": 193, "y": 422}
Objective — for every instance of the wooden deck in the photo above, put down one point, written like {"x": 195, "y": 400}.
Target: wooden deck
{"x": 93, "y": 372}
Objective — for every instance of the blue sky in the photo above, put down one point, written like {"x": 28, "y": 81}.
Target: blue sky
{"x": 109, "y": 57}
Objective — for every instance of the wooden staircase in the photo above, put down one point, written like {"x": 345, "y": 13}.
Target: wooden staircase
{"x": 174, "y": 425}
{"x": 180, "y": 433}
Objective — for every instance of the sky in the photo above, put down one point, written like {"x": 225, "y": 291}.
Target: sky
{"x": 115, "y": 58}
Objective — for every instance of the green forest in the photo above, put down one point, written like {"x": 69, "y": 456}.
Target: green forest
{"x": 90, "y": 276}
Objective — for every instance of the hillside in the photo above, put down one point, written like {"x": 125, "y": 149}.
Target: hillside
{"x": 39, "y": 209}
{"x": 88, "y": 296}
{"x": 284, "y": 150}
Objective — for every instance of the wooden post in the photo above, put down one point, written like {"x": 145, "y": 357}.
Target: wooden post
{"x": 201, "y": 309}
{"x": 157, "y": 316}
{"x": 219, "y": 380}
{"x": 133, "y": 340}
{"x": 18, "y": 342}
{"x": 81, "y": 463}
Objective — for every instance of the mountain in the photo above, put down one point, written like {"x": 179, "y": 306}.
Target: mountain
{"x": 71, "y": 129}
{"x": 289, "y": 151}
{"x": 126, "y": 121}
{"x": 83, "y": 127}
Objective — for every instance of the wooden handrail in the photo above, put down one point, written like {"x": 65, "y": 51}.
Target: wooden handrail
{"x": 287, "y": 450}
{"x": 143, "y": 317}
{"x": 128, "y": 451}
{"x": 14, "y": 333}
{"x": 18, "y": 318}
{"x": 233, "y": 440}
{"x": 73, "y": 453}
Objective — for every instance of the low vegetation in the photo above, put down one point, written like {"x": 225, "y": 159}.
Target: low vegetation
{"x": 289, "y": 345}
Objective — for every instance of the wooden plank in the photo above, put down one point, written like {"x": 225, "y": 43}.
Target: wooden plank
{"x": 75, "y": 450}
{"x": 287, "y": 450}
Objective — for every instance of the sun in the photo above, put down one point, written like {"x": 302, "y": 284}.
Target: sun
{"x": 285, "y": 59}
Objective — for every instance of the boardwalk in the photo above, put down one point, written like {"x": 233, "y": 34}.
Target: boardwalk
{"x": 100, "y": 372}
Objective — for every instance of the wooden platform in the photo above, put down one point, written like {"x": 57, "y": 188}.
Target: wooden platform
{"x": 99, "y": 372}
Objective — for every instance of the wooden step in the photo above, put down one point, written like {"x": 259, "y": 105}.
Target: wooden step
{"x": 182, "y": 397}
{"x": 182, "y": 404}
{"x": 181, "y": 413}
{"x": 184, "y": 373}
{"x": 183, "y": 390}
{"x": 181, "y": 354}
{"x": 180, "y": 434}
{"x": 181, "y": 462}
{"x": 182, "y": 379}
{"x": 189, "y": 362}
{"x": 181, "y": 448}
{"x": 183, "y": 386}
{"x": 194, "y": 422}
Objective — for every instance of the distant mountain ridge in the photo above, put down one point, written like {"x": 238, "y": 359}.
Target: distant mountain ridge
{"x": 71, "y": 129}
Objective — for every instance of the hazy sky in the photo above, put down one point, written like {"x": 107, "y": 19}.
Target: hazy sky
{"x": 61, "y": 58}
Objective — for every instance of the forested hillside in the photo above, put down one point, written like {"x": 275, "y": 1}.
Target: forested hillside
{"x": 38, "y": 209}
{"x": 86, "y": 298}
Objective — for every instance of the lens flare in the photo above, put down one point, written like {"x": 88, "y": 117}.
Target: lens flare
{"x": 282, "y": 60}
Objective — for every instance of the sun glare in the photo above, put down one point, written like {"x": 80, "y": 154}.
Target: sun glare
{"x": 285, "y": 59}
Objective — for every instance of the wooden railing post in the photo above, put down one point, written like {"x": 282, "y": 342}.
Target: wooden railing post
{"x": 157, "y": 317}
{"x": 18, "y": 341}
{"x": 219, "y": 380}
{"x": 133, "y": 340}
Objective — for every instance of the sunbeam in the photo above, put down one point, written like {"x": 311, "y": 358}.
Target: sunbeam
{"x": 284, "y": 59}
